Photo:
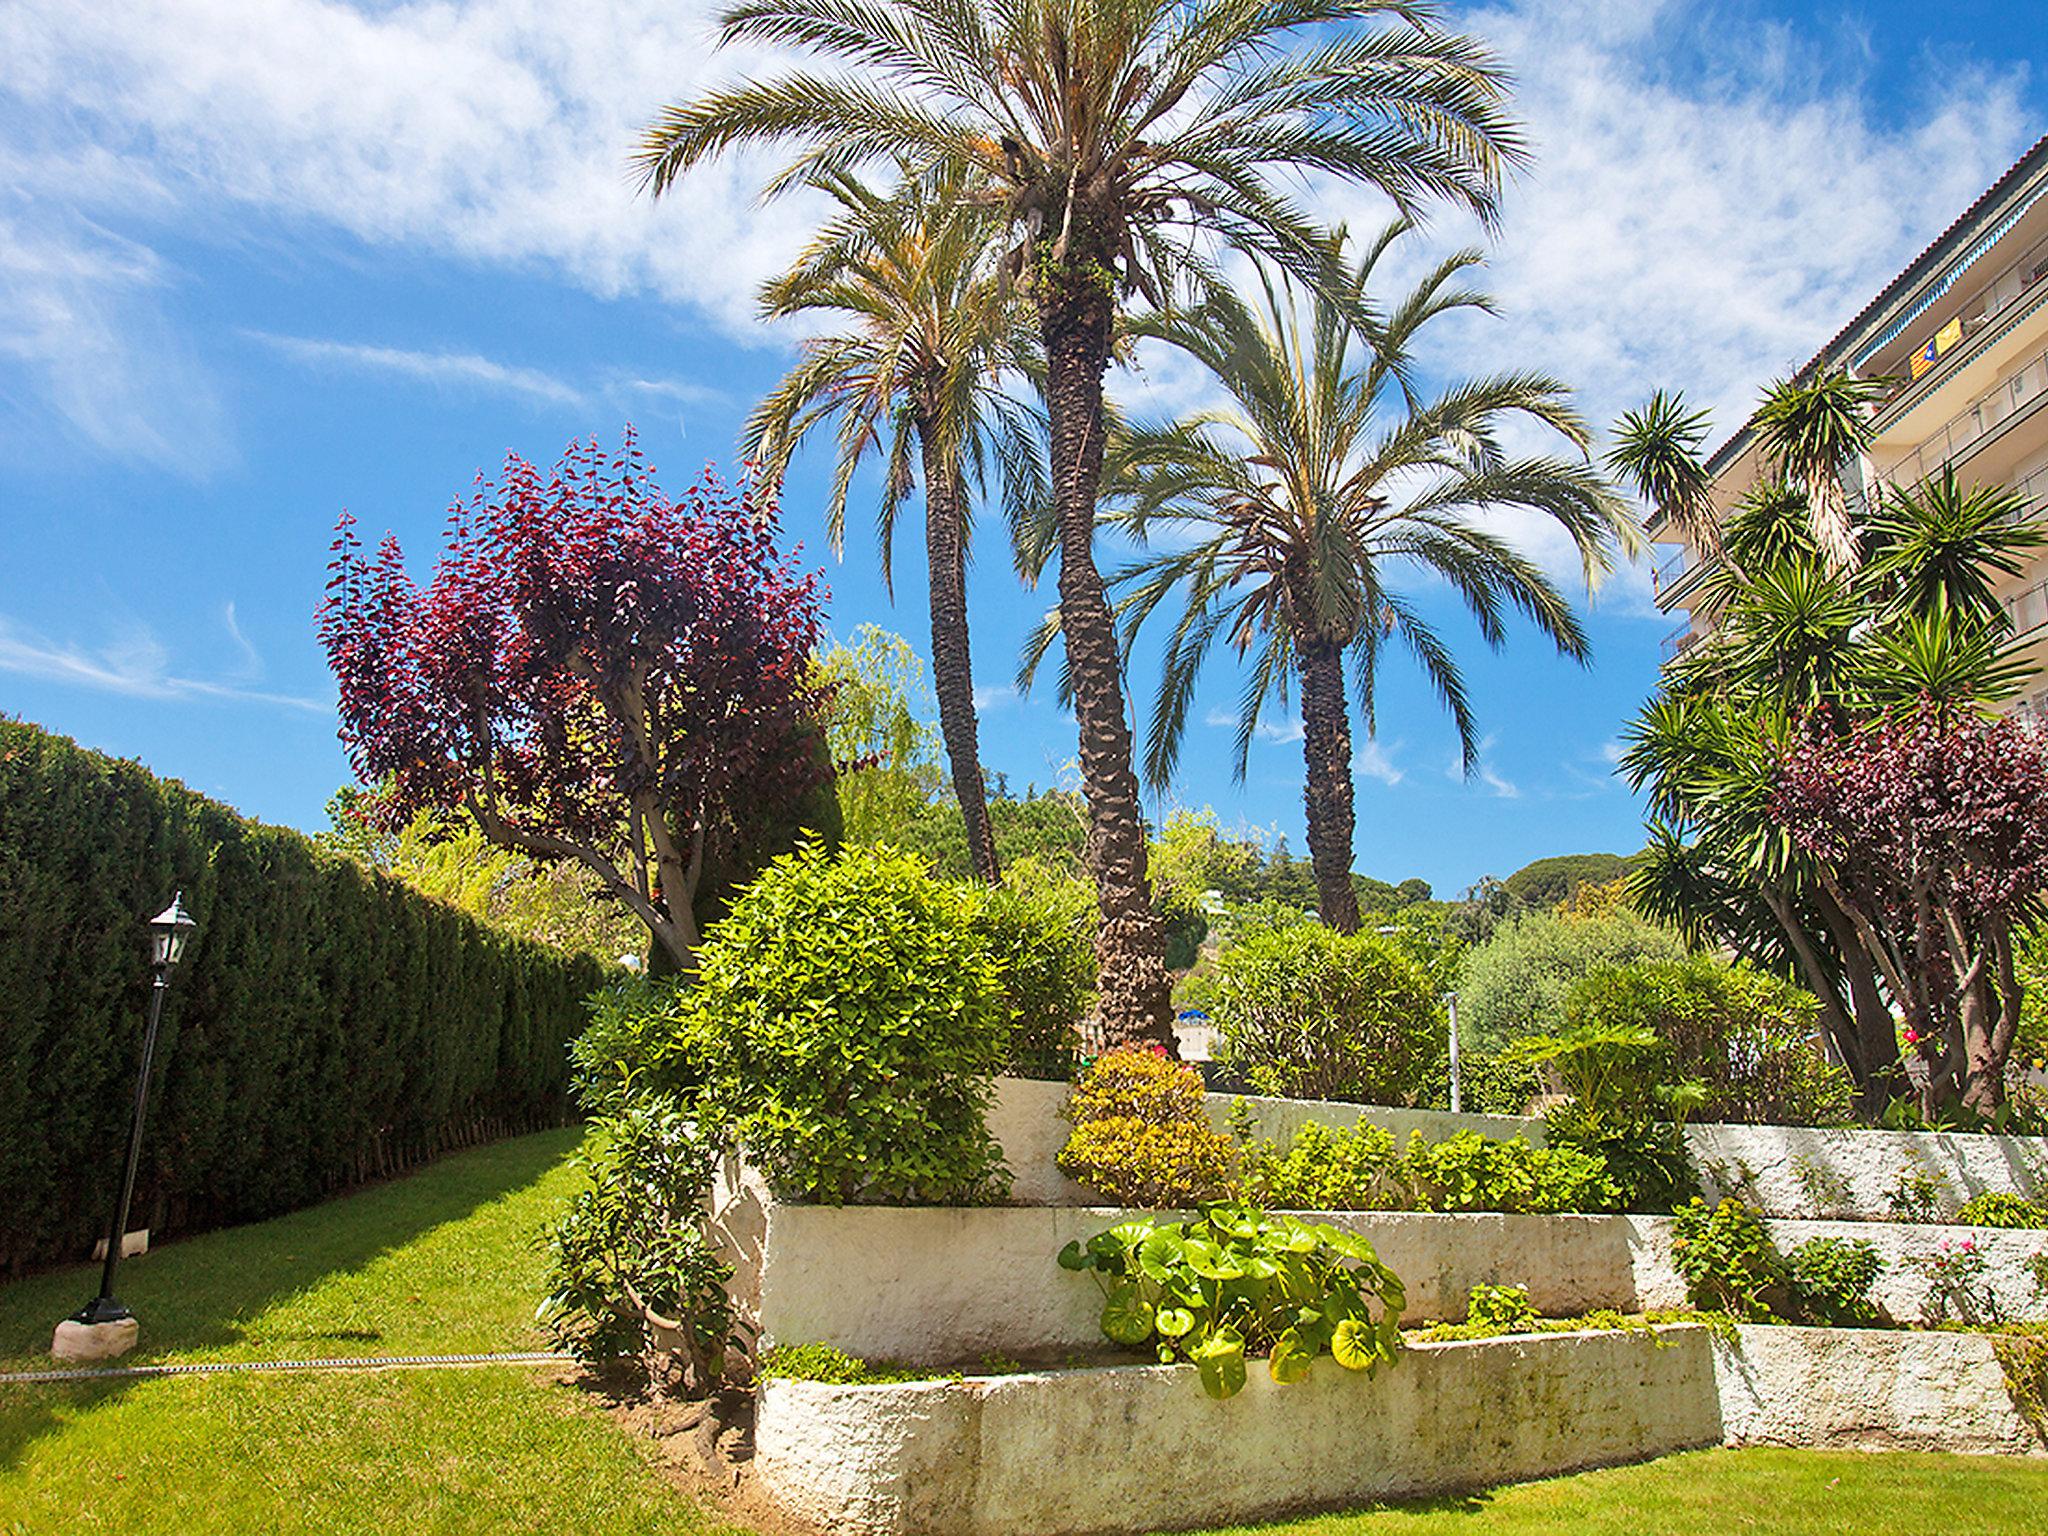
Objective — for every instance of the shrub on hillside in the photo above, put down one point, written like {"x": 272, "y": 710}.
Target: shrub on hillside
{"x": 1142, "y": 1133}
{"x": 847, "y": 1022}
{"x": 1357, "y": 1168}
{"x": 1307, "y": 1012}
{"x": 1750, "y": 1040}
{"x": 1515, "y": 983}
{"x": 1039, "y": 931}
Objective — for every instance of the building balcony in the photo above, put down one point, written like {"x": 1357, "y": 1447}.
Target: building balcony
{"x": 1678, "y": 642}
{"x": 2018, "y": 394}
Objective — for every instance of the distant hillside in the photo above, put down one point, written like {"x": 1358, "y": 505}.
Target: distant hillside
{"x": 1549, "y": 881}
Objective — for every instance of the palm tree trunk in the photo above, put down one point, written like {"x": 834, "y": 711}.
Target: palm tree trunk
{"x": 1328, "y": 798}
{"x": 1134, "y": 993}
{"x": 952, "y": 661}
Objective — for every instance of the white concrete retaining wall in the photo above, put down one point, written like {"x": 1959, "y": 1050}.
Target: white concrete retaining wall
{"x": 1866, "y": 1390}
{"x": 1788, "y": 1171}
{"x": 946, "y": 1286}
{"x": 1134, "y": 1448}
{"x": 1139, "y": 1448}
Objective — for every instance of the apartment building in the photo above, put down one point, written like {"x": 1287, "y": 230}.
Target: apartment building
{"x": 1964, "y": 333}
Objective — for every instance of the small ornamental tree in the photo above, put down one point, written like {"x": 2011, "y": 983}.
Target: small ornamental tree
{"x": 595, "y": 673}
{"x": 1929, "y": 827}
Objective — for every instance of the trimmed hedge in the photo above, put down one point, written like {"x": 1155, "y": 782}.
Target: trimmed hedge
{"x": 328, "y": 1025}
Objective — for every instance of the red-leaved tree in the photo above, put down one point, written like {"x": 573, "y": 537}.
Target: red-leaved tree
{"x": 1930, "y": 829}
{"x": 596, "y": 672}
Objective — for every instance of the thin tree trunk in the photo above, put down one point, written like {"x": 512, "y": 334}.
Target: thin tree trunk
{"x": 952, "y": 661}
{"x": 1328, "y": 797}
{"x": 1134, "y": 991}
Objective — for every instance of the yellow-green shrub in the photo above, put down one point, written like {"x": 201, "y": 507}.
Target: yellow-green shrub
{"x": 1142, "y": 1133}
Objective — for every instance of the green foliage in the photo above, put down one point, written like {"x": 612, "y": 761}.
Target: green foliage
{"x": 1515, "y": 983}
{"x": 884, "y": 752}
{"x": 1915, "y": 1195}
{"x": 1956, "y": 1288}
{"x": 1357, "y": 1168}
{"x": 1645, "y": 1158}
{"x": 1546, "y": 882}
{"x": 1728, "y": 1259}
{"x": 2014, "y": 1212}
{"x": 1235, "y": 1282}
{"x": 631, "y": 1274}
{"x": 1746, "y": 1037}
{"x": 1830, "y": 1280}
{"x": 854, "y": 1019}
{"x": 821, "y": 1362}
{"x": 1038, "y": 932}
{"x": 1048, "y": 827}
{"x": 1490, "y": 1083}
{"x": 1142, "y": 1133}
{"x": 1307, "y": 1012}
{"x": 1501, "y": 1309}
{"x": 328, "y": 1025}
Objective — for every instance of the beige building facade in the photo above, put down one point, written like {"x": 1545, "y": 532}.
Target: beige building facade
{"x": 1963, "y": 333}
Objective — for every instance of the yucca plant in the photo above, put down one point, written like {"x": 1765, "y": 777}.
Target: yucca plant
{"x": 1119, "y": 141}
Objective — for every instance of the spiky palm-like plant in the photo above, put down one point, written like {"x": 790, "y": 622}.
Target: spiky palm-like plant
{"x": 1106, "y": 133}
{"x": 920, "y": 333}
{"x": 1809, "y": 428}
{"x": 1300, "y": 510}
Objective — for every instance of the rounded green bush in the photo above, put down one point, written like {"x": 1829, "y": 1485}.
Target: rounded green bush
{"x": 2014, "y": 1212}
{"x": 1307, "y": 1012}
{"x": 857, "y": 1019}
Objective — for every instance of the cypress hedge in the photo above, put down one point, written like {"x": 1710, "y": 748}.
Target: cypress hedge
{"x": 328, "y": 1024}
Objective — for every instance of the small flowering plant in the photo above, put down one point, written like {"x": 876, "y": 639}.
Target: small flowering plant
{"x": 1956, "y": 1287}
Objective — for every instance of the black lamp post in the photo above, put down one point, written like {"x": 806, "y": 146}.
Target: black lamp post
{"x": 168, "y": 931}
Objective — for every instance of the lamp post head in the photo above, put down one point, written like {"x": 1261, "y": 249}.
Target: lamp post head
{"x": 168, "y": 931}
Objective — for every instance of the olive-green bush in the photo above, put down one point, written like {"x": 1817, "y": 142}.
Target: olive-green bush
{"x": 1142, "y": 1133}
{"x": 1360, "y": 1168}
{"x": 1040, "y": 933}
{"x": 327, "y": 1026}
{"x": 1310, "y": 1013}
{"x": 1515, "y": 983}
{"x": 1747, "y": 1038}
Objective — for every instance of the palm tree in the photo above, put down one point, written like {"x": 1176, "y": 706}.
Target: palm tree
{"x": 1809, "y": 430}
{"x": 924, "y": 331}
{"x": 1106, "y": 133}
{"x": 1299, "y": 509}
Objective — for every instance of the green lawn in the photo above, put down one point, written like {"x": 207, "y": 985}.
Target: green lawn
{"x": 445, "y": 1263}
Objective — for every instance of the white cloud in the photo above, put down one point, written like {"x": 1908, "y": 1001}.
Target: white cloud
{"x": 1611, "y": 751}
{"x": 442, "y": 368}
{"x": 134, "y": 664}
{"x": 988, "y": 696}
{"x": 1282, "y": 732}
{"x": 1483, "y": 772}
{"x": 1377, "y": 762}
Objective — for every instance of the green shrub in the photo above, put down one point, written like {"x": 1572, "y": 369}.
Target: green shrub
{"x": 1234, "y": 1282}
{"x": 1644, "y": 1159}
{"x": 821, "y": 1362}
{"x": 1728, "y": 1259}
{"x": 1358, "y": 1169}
{"x": 1501, "y": 1309}
{"x": 631, "y": 1274}
{"x": 1746, "y": 1037}
{"x": 1142, "y": 1133}
{"x": 1489, "y": 1083}
{"x": 1470, "y": 1172}
{"x": 2014, "y": 1212}
{"x": 853, "y": 1019}
{"x": 1515, "y": 983}
{"x": 1307, "y": 1012}
{"x": 1830, "y": 1280}
{"x": 1040, "y": 935}
{"x": 327, "y": 1026}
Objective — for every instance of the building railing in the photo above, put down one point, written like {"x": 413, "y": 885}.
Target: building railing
{"x": 2013, "y": 281}
{"x": 2016, "y": 391}
{"x": 1668, "y": 571}
{"x": 1678, "y": 642}
{"x": 2028, "y": 608}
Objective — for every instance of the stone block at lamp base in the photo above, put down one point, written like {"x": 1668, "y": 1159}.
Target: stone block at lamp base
{"x": 77, "y": 1343}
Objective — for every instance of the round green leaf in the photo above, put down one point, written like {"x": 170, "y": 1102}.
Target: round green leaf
{"x": 1291, "y": 1359}
{"x": 1161, "y": 1253}
{"x": 1356, "y": 1345}
{"x": 1127, "y": 1316}
{"x": 1219, "y": 1360}
{"x": 1074, "y": 1258}
{"x": 1173, "y": 1322}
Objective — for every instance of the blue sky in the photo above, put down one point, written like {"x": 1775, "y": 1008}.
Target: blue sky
{"x": 259, "y": 263}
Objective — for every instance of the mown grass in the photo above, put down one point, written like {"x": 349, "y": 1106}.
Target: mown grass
{"x": 446, "y": 1262}
{"x": 443, "y": 1262}
{"x": 1717, "y": 1493}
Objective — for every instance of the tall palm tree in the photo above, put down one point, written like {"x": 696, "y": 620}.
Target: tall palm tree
{"x": 923, "y": 332}
{"x": 1106, "y": 133}
{"x": 1300, "y": 508}
{"x": 1809, "y": 429}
